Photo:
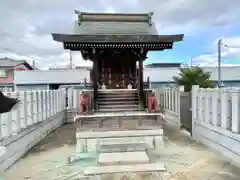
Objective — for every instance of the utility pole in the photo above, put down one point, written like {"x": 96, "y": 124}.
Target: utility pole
{"x": 71, "y": 62}
{"x": 219, "y": 62}
{"x": 191, "y": 62}
{"x": 34, "y": 64}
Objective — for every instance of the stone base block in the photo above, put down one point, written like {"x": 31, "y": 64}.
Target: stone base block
{"x": 123, "y": 158}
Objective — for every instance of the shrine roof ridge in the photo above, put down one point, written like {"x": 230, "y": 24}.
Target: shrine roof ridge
{"x": 127, "y": 17}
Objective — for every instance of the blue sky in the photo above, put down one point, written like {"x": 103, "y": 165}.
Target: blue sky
{"x": 200, "y": 43}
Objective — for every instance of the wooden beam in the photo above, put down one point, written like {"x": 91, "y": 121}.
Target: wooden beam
{"x": 140, "y": 78}
{"x": 95, "y": 83}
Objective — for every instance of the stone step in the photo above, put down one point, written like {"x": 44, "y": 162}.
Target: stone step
{"x": 115, "y": 99}
{"x": 118, "y": 109}
{"x": 119, "y": 96}
{"x": 120, "y": 106}
{"x": 121, "y": 146}
{"x": 107, "y": 91}
{"x": 103, "y": 102}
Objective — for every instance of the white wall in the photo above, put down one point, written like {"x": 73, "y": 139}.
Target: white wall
{"x": 166, "y": 74}
{"x": 160, "y": 74}
{"x": 51, "y": 76}
{"x": 78, "y": 75}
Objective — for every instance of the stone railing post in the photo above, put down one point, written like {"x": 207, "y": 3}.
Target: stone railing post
{"x": 194, "y": 109}
{"x": 29, "y": 108}
{"x": 23, "y": 110}
{"x": 178, "y": 102}
{"x": 6, "y": 125}
{"x": 215, "y": 108}
{"x": 35, "y": 106}
{"x": 55, "y": 101}
{"x": 224, "y": 108}
{"x": 235, "y": 110}
{"x": 40, "y": 110}
{"x": 48, "y": 104}
{"x": 207, "y": 96}
{"x": 15, "y": 115}
{"x": 75, "y": 98}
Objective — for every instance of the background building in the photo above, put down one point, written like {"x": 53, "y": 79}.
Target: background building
{"x": 7, "y": 68}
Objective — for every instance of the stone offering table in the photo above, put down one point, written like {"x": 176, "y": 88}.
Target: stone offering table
{"x": 88, "y": 141}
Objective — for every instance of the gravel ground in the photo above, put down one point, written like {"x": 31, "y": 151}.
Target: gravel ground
{"x": 184, "y": 160}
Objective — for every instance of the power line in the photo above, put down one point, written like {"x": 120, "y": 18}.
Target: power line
{"x": 10, "y": 50}
{"x": 9, "y": 35}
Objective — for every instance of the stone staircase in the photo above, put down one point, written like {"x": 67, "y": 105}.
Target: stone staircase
{"x": 118, "y": 100}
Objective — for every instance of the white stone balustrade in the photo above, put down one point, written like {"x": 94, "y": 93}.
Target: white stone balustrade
{"x": 218, "y": 107}
{"x": 170, "y": 103}
{"x": 216, "y": 119}
{"x": 35, "y": 107}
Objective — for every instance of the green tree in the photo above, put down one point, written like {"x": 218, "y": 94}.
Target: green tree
{"x": 190, "y": 76}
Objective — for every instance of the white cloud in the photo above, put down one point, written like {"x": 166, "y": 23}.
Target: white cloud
{"x": 26, "y": 25}
{"x": 230, "y": 50}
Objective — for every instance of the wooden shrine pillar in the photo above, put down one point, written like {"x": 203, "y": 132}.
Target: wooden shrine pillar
{"x": 140, "y": 86}
{"x": 95, "y": 83}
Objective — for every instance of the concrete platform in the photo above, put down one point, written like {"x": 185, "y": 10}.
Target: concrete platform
{"x": 123, "y": 158}
{"x": 119, "y": 134}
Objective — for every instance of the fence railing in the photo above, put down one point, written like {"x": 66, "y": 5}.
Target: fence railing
{"x": 35, "y": 107}
{"x": 218, "y": 107}
{"x": 7, "y": 88}
{"x": 169, "y": 100}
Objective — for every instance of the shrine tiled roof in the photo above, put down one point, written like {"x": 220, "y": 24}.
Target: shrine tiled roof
{"x": 115, "y": 30}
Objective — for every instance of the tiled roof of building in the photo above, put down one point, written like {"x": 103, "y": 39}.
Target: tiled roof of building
{"x": 10, "y": 63}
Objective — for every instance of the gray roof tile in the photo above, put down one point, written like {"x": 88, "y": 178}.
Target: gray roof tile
{"x": 7, "y": 62}
{"x": 114, "y": 23}
{"x": 114, "y": 28}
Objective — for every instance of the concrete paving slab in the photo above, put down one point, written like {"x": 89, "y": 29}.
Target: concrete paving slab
{"x": 123, "y": 158}
{"x": 100, "y": 170}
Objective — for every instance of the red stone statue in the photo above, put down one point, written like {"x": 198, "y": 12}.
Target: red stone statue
{"x": 84, "y": 103}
